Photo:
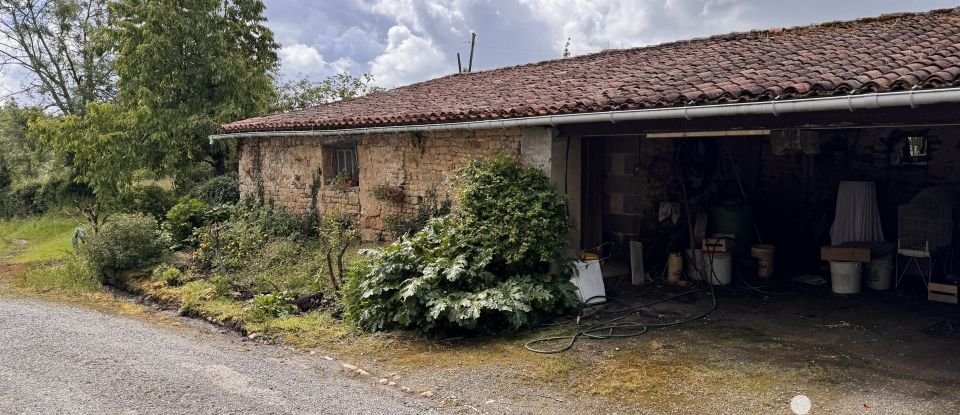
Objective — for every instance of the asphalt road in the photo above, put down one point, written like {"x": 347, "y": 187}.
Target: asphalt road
{"x": 57, "y": 359}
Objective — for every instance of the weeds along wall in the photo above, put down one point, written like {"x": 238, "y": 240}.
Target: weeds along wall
{"x": 290, "y": 170}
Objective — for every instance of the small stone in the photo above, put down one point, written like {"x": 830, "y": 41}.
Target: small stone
{"x": 312, "y": 353}
{"x": 350, "y": 367}
{"x": 383, "y": 381}
{"x": 362, "y": 372}
{"x": 391, "y": 383}
{"x": 406, "y": 390}
{"x": 490, "y": 401}
{"x": 395, "y": 377}
{"x": 426, "y": 394}
{"x": 327, "y": 358}
{"x": 253, "y": 336}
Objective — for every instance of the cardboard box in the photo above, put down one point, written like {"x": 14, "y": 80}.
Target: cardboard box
{"x": 848, "y": 252}
{"x": 944, "y": 293}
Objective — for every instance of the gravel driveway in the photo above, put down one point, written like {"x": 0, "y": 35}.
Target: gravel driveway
{"x": 56, "y": 359}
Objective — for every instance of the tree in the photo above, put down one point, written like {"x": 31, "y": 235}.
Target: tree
{"x": 21, "y": 152}
{"x": 184, "y": 67}
{"x": 55, "y": 43}
{"x": 303, "y": 93}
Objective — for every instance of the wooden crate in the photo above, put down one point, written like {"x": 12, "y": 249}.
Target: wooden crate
{"x": 944, "y": 293}
{"x": 717, "y": 245}
{"x": 845, "y": 253}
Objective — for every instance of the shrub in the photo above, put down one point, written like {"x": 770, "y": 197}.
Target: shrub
{"x": 228, "y": 246}
{"x": 170, "y": 275}
{"x": 272, "y": 305}
{"x": 485, "y": 266}
{"x": 220, "y": 190}
{"x": 183, "y": 218}
{"x": 127, "y": 242}
{"x": 6, "y": 176}
{"x": 188, "y": 178}
{"x": 152, "y": 200}
{"x": 22, "y": 200}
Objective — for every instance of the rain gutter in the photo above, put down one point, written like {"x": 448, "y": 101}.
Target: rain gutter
{"x": 911, "y": 99}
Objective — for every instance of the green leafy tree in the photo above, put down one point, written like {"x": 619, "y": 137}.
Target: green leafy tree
{"x": 184, "y": 67}
{"x": 54, "y": 43}
{"x": 303, "y": 93}
{"x": 21, "y": 151}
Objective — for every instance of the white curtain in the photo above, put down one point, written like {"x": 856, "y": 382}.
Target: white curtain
{"x": 858, "y": 216}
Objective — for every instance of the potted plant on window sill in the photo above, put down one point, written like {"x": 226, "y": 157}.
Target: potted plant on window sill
{"x": 342, "y": 181}
{"x": 385, "y": 193}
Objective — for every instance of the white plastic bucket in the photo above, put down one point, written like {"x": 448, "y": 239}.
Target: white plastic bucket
{"x": 694, "y": 265}
{"x": 589, "y": 282}
{"x": 719, "y": 268}
{"x": 845, "y": 277}
{"x": 881, "y": 273}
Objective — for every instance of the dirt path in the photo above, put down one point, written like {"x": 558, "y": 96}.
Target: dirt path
{"x": 66, "y": 360}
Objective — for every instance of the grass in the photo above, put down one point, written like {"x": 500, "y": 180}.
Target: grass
{"x": 38, "y": 239}
{"x": 73, "y": 275}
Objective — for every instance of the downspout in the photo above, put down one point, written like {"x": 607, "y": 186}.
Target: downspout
{"x": 911, "y": 99}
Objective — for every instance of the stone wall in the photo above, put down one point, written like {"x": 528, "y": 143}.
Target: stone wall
{"x": 418, "y": 163}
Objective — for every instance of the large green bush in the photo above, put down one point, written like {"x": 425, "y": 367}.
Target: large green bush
{"x": 127, "y": 242}
{"x": 152, "y": 200}
{"x": 486, "y": 265}
{"x": 220, "y": 190}
{"x": 183, "y": 218}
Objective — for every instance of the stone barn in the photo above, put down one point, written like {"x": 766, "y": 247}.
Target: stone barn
{"x": 645, "y": 142}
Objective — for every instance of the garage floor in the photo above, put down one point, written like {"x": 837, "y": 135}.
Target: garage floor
{"x": 877, "y": 352}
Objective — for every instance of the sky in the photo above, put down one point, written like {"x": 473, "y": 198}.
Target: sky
{"x": 400, "y": 42}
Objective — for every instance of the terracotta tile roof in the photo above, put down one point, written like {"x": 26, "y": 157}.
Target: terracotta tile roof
{"x": 887, "y": 53}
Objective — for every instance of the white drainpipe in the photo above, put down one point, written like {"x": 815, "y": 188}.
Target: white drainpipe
{"x": 912, "y": 99}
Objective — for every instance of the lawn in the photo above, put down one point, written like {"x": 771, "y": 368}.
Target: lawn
{"x": 38, "y": 239}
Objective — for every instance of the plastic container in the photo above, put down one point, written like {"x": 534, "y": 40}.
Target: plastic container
{"x": 881, "y": 274}
{"x": 764, "y": 255}
{"x": 845, "y": 277}
{"x": 589, "y": 282}
{"x": 719, "y": 268}
{"x": 694, "y": 265}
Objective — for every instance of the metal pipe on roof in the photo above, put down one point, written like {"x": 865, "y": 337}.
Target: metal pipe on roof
{"x": 909, "y": 99}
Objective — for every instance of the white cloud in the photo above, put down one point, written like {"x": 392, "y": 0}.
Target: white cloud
{"x": 299, "y": 59}
{"x": 594, "y": 25}
{"x": 408, "y": 58}
{"x": 422, "y": 15}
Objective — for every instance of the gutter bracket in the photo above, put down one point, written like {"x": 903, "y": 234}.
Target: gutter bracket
{"x": 913, "y": 105}
{"x": 850, "y": 102}
{"x": 773, "y": 106}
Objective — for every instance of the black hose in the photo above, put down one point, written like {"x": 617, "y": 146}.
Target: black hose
{"x": 616, "y": 329}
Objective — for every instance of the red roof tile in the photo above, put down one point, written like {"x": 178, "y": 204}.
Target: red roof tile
{"x": 887, "y": 53}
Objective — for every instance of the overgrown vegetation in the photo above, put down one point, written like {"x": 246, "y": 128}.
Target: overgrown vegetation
{"x": 486, "y": 265}
{"x": 127, "y": 243}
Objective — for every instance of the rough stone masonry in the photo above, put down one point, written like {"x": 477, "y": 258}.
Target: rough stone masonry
{"x": 419, "y": 163}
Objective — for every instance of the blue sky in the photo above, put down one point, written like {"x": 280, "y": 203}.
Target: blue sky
{"x": 405, "y": 41}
